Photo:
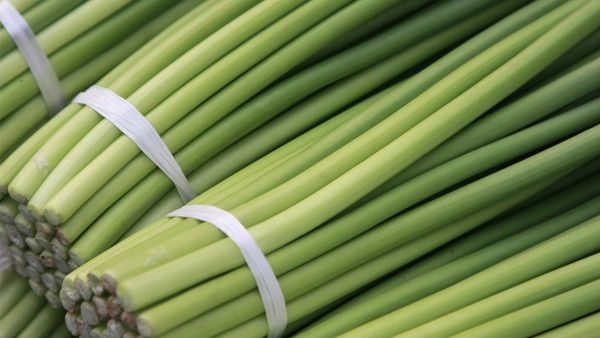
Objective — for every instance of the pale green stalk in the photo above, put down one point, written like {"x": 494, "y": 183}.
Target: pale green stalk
{"x": 381, "y": 21}
{"x": 579, "y": 52}
{"x": 20, "y": 315}
{"x": 542, "y": 316}
{"x": 45, "y": 321}
{"x": 13, "y": 289}
{"x": 562, "y": 249}
{"x": 538, "y": 104}
{"x": 525, "y": 294}
{"x": 24, "y": 5}
{"x": 586, "y": 327}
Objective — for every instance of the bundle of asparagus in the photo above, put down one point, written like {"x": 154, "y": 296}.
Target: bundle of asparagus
{"x": 96, "y": 213}
{"x": 304, "y": 206}
{"x": 83, "y": 42}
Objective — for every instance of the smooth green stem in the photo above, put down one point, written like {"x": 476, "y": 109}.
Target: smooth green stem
{"x": 392, "y": 15}
{"x": 581, "y": 51}
{"x": 525, "y": 294}
{"x": 20, "y": 315}
{"x": 13, "y": 289}
{"x": 573, "y": 244}
{"x": 543, "y": 315}
{"x": 46, "y": 320}
{"x": 586, "y": 327}
{"x": 508, "y": 119}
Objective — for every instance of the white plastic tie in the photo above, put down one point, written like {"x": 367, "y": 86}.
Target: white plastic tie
{"x": 34, "y": 56}
{"x": 266, "y": 281}
{"x": 132, "y": 123}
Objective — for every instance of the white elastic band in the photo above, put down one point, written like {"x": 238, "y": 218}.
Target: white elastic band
{"x": 132, "y": 123}
{"x": 267, "y": 283}
{"x": 34, "y": 56}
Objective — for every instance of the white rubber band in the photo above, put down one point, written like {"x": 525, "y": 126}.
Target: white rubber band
{"x": 132, "y": 123}
{"x": 267, "y": 283}
{"x": 34, "y": 56}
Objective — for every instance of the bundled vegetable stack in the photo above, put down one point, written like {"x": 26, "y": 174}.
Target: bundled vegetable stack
{"x": 351, "y": 138}
{"x": 308, "y": 205}
{"x": 53, "y": 164}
